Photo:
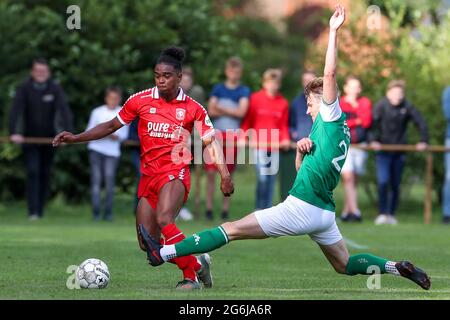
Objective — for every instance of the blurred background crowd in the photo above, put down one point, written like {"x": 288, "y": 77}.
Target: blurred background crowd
{"x": 248, "y": 64}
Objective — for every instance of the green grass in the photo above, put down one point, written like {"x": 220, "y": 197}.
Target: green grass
{"x": 34, "y": 256}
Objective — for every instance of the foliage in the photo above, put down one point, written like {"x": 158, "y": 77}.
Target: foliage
{"x": 117, "y": 45}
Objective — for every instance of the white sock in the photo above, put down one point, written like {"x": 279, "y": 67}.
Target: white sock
{"x": 390, "y": 268}
{"x": 168, "y": 252}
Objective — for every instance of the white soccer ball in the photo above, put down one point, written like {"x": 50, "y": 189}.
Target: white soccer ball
{"x": 93, "y": 274}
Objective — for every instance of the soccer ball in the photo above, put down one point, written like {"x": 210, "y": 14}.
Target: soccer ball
{"x": 93, "y": 274}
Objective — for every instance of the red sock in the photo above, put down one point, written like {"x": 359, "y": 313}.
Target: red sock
{"x": 188, "y": 264}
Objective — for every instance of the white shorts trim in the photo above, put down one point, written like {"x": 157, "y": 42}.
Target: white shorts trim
{"x": 294, "y": 217}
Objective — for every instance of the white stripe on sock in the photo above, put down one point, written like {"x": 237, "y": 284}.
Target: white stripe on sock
{"x": 168, "y": 252}
{"x": 224, "y": 234}
{"x": 391, "y": 268}
{"x": 167, "y": 240}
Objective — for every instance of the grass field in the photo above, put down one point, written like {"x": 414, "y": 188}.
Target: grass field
{"x": 35, "y": 255}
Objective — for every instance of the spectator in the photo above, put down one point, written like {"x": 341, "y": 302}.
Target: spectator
{"x": 299, "y": 127}
{"x": 104, "y": 153}
{"x": 227, "y": 106}
{"x": 359, "y": 119}
{"x": 268, "y": 114}
{"x": 188, "y": 85}
{"x": 300, "y": 123}
{"x": 391, "y": 116}
{"x": 39, "y": 109}
{"x": 446, "y": 189}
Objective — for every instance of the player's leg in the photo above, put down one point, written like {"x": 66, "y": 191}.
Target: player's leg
{"x": 364, "y": 263}
{"x": 207, "y": 240}
{"x": 146, "y": 216}
{"x": 170, "y": 200}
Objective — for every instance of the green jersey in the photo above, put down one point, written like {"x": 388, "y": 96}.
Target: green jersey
{"x": 320, "y": 169}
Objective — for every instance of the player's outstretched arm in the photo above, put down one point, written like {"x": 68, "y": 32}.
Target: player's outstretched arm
{"x": 100, "y": 131}
{"x": 330, "y": 90}
{"x": 215, "y": 150}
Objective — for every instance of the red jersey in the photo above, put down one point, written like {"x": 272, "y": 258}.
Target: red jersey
{"x": 164, "y": 128}
{"x": 266, "y": 113}
{"x": 359, "y": 118}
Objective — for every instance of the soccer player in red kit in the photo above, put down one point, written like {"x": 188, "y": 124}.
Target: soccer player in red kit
{"x": 166, "y": 119}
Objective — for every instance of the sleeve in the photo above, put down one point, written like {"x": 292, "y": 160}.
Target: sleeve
{"x": 246, "y": 92}
{"x": 129, "y": 111}
{"x": 17, "y": 112}
{"x": 446, "y": 103}
{"x": 215, "y": 92}
{"x": 202, "y": 123}
{"x": 284, "y": 127}
{"x": 330, "y": 112}
{"x": 420, "y": 123}
{"x": 64, "y": 116}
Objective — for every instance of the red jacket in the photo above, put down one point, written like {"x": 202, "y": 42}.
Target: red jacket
{"x": 266, "y": 113}
{"x": 362, "y": 113}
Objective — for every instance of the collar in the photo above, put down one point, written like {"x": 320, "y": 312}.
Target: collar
{"x": 181, "y": 96}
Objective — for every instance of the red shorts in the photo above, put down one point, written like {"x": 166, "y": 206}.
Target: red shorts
{"x": 228, "y": 140}
{"x": 150, "y": 185}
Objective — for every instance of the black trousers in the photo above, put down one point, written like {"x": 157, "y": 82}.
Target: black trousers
{"x": 38, "y": 162}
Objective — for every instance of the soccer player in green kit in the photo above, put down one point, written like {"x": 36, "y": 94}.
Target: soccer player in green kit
{"x": 310, "y": 208}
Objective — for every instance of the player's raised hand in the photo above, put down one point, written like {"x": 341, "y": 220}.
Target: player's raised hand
{"x": 63, "y": 137}
{"x": 226, "y": 186}
{"x": 338, "y": 17}
{"x": 304, "y": 145}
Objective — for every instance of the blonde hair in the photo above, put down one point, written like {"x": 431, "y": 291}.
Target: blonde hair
{"x": 272, "y": 74}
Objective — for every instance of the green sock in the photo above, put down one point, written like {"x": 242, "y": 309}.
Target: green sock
{"x": 202, "y": 242}
{"x": 360, "y": 263}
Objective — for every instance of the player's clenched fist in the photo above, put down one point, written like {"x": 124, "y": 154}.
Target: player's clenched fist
{"x": 304, "y": 145}
{"x": 63, "y": 137}
{"x": 226, "y": 186}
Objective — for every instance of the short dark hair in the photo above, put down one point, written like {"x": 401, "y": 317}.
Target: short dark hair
{"x": 234, "y": 62}
{"x": 114, "y": 89}
{"x": 314, "y": 87}
{"x": 39, "y": 60}
{"x": 396, "y": 84}
{"x": 173, "y": 56}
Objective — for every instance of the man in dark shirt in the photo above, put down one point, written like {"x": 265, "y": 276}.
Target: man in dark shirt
{"x": 300, "y": 125}
{"x": 391, "y": 116}
{"x": 39, "y": 109}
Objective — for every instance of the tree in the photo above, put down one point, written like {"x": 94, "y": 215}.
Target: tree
{"x": 117, "y": 44}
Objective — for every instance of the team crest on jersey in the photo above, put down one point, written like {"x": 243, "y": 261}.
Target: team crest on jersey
{"x": 153, "y": 110}
{"x": 180, "y": 114}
